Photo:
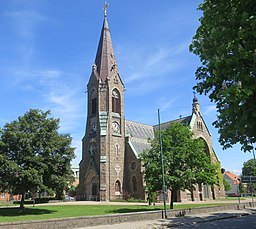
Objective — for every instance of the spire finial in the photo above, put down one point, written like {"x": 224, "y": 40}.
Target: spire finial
{"x": 105, "y": 8}
{"x": 195, "y": 98}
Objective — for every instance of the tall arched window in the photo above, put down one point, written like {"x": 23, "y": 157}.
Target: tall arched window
{"x": 134, "y": 184}
{"x": 93, "y": 102}
{"x": 116, "y": 101}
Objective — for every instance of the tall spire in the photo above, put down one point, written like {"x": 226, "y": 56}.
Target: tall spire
{"x": 195, "y": 105}
{"x": 105, "y": 57}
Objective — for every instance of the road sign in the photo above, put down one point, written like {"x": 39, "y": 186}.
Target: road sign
{"x": 248, "y": 179}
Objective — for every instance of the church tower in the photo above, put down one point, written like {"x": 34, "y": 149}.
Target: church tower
{"x": 103, "y": 146}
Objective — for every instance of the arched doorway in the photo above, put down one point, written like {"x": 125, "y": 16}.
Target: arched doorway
{"x": 92, "y": 186}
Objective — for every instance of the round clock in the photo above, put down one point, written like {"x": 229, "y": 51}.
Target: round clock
{"x": 116, "y": 127}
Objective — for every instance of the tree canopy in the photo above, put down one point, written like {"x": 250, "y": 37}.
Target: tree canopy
{"x": 34, "y": 157}
{"x": 249, "y": 168}
{"x": 185, "y": 161}
{"x": 225, "y": 42}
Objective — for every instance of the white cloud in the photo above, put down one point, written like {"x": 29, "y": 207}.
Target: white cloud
{"x": 25, "y": 22}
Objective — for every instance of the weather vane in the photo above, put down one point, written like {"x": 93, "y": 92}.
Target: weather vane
{"x": 105, "y": 8}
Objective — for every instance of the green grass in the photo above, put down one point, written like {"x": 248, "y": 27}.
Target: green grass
{"x": 10, "y": 214}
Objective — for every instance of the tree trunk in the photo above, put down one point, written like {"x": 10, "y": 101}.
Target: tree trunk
{"x": 172, "y": 199}
{"x": 22, "y": 201}
{"x": 59, "y": 195}
{"x": 192, "y": 195}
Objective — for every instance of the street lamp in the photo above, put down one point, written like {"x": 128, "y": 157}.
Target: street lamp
{"x": 162, "y": 159}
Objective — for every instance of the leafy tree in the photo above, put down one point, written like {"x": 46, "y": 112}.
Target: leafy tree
{"x": 34, "y": 156}
{"x": 242, "y": 188}
{"x": 249, "y": 169}
{"x": 227, "y": 185}
{"x": 185, "y": 161}
{"x": 225, "y": 43}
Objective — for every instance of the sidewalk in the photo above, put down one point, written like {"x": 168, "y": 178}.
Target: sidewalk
{"x": 177, "y": 221}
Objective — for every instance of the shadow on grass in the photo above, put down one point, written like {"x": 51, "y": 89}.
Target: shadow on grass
{"x": 26, "y": 211}
{"x": 128, "y": 210}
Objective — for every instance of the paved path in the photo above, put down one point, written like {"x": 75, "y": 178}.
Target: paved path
{"x": 178, "y": 221}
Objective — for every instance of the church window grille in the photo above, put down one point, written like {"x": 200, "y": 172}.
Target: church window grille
{"x": 199, "y": 126}
{"x": 134, "y": 184}
{"x": 116, "y": 101}
{"x": 118, "y": 187}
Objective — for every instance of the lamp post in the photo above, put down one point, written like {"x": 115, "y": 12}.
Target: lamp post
{"x": 162, "y": 160}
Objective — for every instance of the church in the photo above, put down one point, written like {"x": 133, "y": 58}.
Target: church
{"x": 110, "y": 168}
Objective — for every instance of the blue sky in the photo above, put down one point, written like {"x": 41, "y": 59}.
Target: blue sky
{"x": 47, "y": 49}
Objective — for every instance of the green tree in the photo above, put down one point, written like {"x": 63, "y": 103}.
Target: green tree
{"x": 185, "y": 160}
{"x": 225, "y": 42}
{"x": 227, "y": 185}
{"x": 249, "y": 169}
{"x": 34, "y": 157}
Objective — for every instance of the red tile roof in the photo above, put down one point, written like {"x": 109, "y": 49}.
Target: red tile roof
{"x": 235, "y": 178}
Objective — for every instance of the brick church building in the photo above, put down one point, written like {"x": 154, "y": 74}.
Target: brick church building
{"x": 110, "y": 168}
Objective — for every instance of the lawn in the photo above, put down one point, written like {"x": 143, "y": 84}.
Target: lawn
{"x": 10, "y": 214}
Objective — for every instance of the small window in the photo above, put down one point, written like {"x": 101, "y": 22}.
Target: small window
{"x": 94, "y": 106}
{"x": 117, "y": 150}
{"x": 133, "y": 165}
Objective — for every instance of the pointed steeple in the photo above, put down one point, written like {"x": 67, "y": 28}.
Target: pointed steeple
{"x": 195, "y": 105}
{"x": 105, "y": 58}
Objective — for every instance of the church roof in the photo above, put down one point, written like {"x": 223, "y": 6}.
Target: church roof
{"x": 138, "y": 135}
{"x": 105, "y": 57}
{"x": 165, "y": 125}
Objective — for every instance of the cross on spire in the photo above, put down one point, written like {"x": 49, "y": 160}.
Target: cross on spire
{"x": 105, "y": 8}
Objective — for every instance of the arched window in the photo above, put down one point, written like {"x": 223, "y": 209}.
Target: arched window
{"x": 116, "y": 101}
{"x": 93, "y": 102}
{"x": 134, "y": 184}
{"x": 118, "y": 186}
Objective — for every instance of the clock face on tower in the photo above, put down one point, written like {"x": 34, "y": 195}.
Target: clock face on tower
{"x": 115, "y": 127}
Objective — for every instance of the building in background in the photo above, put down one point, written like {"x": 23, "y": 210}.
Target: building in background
{"x": 234, "y": 182}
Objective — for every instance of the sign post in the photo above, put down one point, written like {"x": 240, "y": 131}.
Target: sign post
{"x": 250, "y": 180}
